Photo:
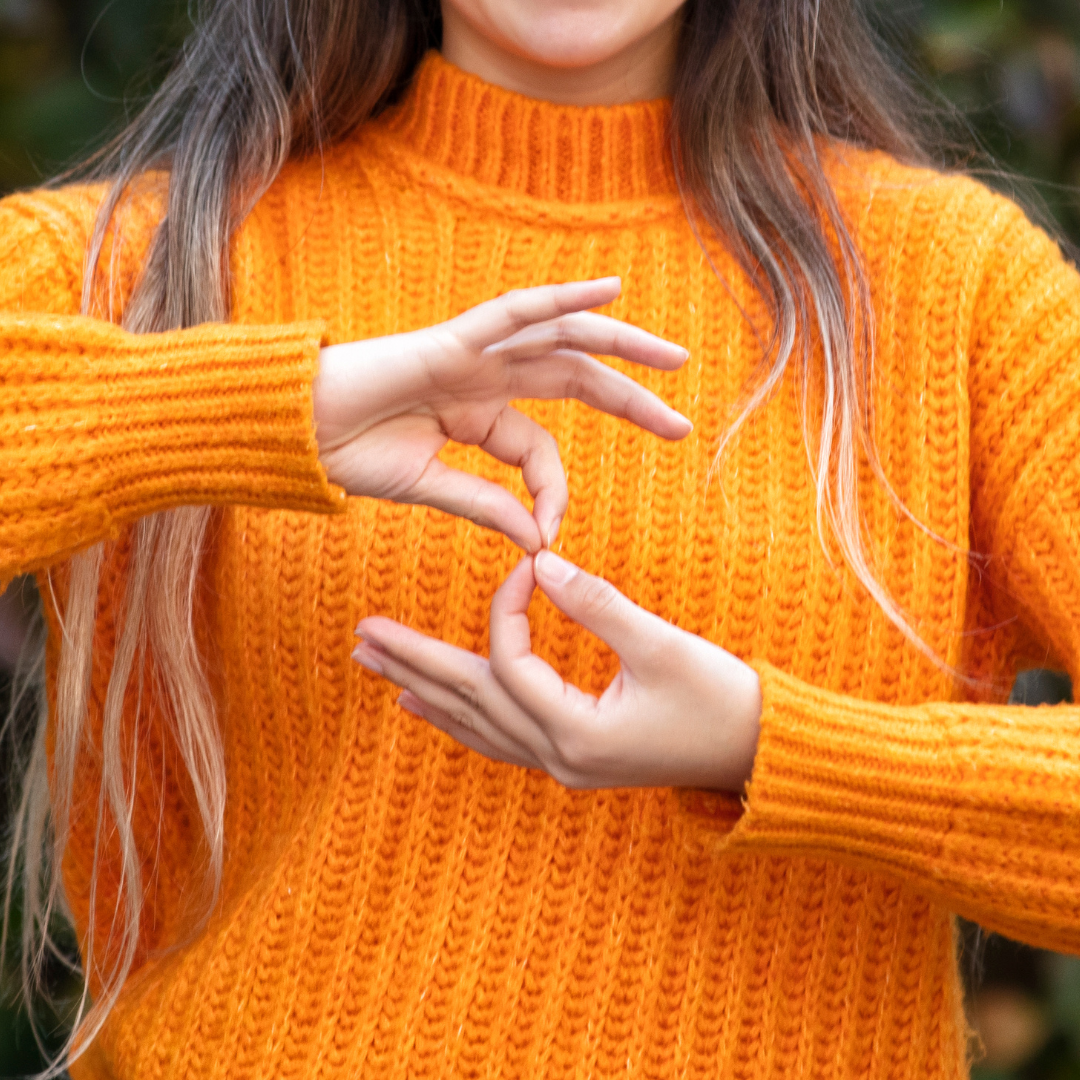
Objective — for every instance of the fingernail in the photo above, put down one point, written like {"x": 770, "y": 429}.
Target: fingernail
{"x": 365, "y": 635}
{"x": 553, "y": 532}
{"x": 408, "y": 702}
{"x": 555, "y": 570}
{"x": 367, "y": 658}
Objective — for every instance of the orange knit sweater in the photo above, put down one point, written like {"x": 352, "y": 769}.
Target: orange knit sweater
{"x": 396, "y": 906}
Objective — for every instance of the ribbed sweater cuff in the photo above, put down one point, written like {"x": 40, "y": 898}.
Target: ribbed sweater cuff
{"x": 901, "y": 786}
{"x": 837, "y": 774}
{"x": 103, "y": 427}
{"x": 215, "y": 415}
{"x": 916, "y": 789}
{"x": 973, "y": 803}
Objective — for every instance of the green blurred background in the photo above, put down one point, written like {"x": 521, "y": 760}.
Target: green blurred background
{"x": 71, "y": 69}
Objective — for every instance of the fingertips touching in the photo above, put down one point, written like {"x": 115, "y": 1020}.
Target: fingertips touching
{"x": 599, "y": 607}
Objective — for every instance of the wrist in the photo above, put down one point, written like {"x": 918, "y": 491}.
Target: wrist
{"x": 747, "y": 708}
{"x": 361, "y": 383}
{"x": 331, "y": 380}
{"x": 736, "y": 724}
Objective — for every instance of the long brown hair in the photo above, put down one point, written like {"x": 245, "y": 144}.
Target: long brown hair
{"x": 762, "y": 87}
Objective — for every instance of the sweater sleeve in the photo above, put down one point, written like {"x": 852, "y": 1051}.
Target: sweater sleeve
{"x": 975, "y": 805}
{"x": 99, "y": 426}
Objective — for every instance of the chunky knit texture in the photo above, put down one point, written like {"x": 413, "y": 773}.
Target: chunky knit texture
{"x": 396, "y": 906}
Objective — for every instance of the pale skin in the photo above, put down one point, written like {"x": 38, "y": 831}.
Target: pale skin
{"x": 681, "y": 712}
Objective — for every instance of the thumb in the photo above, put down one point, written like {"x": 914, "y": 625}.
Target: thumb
{"x": 598, "y": 606}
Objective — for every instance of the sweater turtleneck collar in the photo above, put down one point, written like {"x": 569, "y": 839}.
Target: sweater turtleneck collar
{"x": 561, "y": 153}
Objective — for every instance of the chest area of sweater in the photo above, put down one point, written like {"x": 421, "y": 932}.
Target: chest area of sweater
{"x": 726, "y": 548}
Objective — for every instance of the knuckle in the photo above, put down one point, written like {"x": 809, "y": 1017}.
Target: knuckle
{"x": 498, "y": 665}
{"x": 587, "y": 377}
{"x": 481, "y": 507}
{"x": 618, "y": 340}
{"x": 515, "y": 306}
{"x": 564, "y": 334}
{"x": 471, "y": 685}
{"x": 623, "y": 339}
{"x": 547, "y": 444}
{"x": 576, "y": 386}
{"x": 470, "y": 694}
{"x": 462, "y": 718}
{"x": 580, "y": 756}
{"x": 599, "y": 596}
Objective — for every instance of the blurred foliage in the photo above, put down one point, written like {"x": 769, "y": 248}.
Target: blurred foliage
{"x": 1012, "y": 69}
{"x": 20, "y": 1052}
{"x": 70, "y": 70}
{"x": 1025, "y": 1005}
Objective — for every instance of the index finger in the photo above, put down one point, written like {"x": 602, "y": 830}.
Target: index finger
{"x": 496, "y": 319}
{"x": 534, "y": 684}
{"x": 520, "y": 441}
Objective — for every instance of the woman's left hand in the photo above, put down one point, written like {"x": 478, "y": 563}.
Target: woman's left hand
{"x": 681, "y": 712}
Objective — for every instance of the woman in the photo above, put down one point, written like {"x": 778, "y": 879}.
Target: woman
{"x": 743, "y": 856}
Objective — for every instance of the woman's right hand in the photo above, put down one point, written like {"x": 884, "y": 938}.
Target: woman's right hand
{"x": 385, "y": 407}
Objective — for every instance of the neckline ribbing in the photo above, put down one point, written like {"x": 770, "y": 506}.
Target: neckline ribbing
{"x": 559, "y": 153}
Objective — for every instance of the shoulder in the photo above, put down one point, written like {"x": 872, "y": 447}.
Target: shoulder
{"x": 43, "y": 236}
{"x": 872, "y": 182}
{"x": 46, "y": 232}
{"x": 932, "y": 214}
{"x": 943, "y": 242}
{"x": 66, "y": 214}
